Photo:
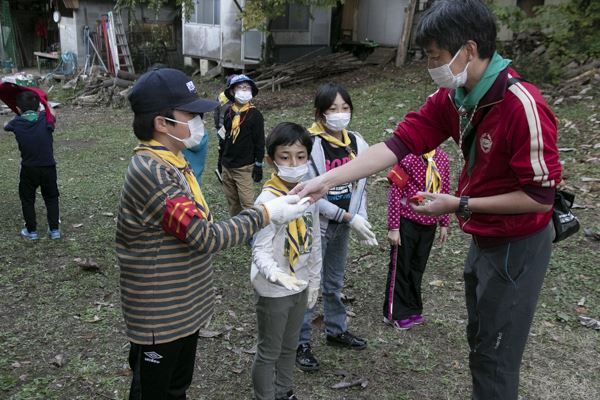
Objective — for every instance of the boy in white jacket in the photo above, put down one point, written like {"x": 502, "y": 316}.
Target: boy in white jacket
{"x": 286, "y": 268}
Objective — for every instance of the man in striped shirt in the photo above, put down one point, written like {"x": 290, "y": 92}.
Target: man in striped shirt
{"x": 166, "y": 237}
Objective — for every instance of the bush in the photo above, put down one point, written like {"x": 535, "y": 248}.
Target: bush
{"x": 555, "y": 36}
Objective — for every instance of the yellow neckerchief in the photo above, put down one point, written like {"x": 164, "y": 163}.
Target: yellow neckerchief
{"x": 223, "y": 99}
{"x": 433, "y": 180}
{"x": 236, "y": 121}
{"x": 296, "y": 229}
{"x": 317, "y": 129}
{"x": 179, "y": 162}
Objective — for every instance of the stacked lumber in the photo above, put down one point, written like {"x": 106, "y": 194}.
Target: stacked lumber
{"x": 102, "y": 89}
{"x": 304, "y": 69}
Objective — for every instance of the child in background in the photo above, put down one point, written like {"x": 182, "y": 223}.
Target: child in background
{"x": 219, "y": 116}
{"x": 33, "y": 131}
{"x": 286, "y": 268}
{"x": 244, "y": 145}
{"x": 411, "y": 236}
{"x": 343, "y": 209}
{"x": 196, "y": 156}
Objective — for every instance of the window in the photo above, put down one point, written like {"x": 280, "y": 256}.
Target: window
{"x": 207, "y": 12}
{"x": 296, "y": 18}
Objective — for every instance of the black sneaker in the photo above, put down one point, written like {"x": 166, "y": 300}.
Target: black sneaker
{"x": 289, "y": 396}
{"x": 305, "y": 360}
{"x": 346, "y": 339}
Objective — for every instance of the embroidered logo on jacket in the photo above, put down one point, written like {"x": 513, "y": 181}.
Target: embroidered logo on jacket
{"x": 486, "y": 143}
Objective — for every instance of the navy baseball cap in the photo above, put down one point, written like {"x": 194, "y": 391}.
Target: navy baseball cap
{"x": 167, "y": 88}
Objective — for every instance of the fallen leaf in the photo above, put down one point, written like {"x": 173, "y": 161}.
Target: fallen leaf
{"x": 16, "y": 364}
{"x": 237, "y": 370}
{"x": 437, "y": 283}
{"x": 58, "y": 361}
{"x": 76, "y": 225}
{"x": 356, "y": 381}
{"x": 566, "y": 149}
{"x": 94, "y": 319}
{"x": 108, "y": 214}
{"x": 87, "y": 264}
{"x": 591, "y": 235}
{"x": 251, "y": 350}
{"x": 588, "y": 179}
{"x": 318, "y": 322}
{"x": 581, "y": 301}
{"x": 556, "y": 338}
{"x": 205, "y": 333}
{"x": 589, "y": 322}
{"x": 561, "y": 316}
{"x": 347, "y": 298}
{"x": 581, "y": 310}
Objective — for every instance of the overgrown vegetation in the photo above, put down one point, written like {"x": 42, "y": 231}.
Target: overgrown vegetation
{"x": 556, "y": 35}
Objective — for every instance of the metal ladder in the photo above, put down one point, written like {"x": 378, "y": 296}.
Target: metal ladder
{"x": 116, "y": 23}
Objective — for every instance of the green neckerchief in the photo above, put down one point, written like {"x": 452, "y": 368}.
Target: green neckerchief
{"x": 468, "y": 102}
{"x": 30, "y": 116}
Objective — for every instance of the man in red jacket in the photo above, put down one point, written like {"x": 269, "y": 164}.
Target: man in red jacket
{"x": 507, "y": 135}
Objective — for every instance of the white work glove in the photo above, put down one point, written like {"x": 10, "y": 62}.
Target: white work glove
{"x": 287, "y": 281}
{"x": 362, "y": 227}
{"x": 313, "y": 295}
{"x": 286, "y": 208}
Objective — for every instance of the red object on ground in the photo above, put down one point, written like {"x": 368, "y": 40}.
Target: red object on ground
{"x": 9, "y": 91}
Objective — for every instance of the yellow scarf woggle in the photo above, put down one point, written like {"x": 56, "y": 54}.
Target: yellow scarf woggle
{"x": 236, "y": 122}
{"x": 433, "y": 179}
{"x": 317, "y": 129}
{"x": 179, "y": 162}
{"x": 296, "y": 229}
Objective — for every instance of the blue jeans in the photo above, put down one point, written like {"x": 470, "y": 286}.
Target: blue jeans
{"x": 334, "y": 245}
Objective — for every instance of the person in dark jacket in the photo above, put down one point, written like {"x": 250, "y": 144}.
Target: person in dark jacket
{"x": 243, "y": 147}
{"x": 33, "y": 131}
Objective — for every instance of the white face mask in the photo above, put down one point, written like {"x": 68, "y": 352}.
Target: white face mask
{"x": 243, "y": 96}
{"x": 196, "y": 127}
{"x": 443, "y": 76}
{"x": 292, "y": 174}
{"x": 337, "y": 121}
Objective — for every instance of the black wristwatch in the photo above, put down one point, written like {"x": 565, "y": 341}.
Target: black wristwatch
{"x": 463, "y": 210}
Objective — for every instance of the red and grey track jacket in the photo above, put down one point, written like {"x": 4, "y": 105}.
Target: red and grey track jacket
{"x": 516, "y": 149}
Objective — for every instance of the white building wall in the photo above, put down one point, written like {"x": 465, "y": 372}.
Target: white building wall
{"x": 318, "y": 33}
{"x": 381, "y": 21}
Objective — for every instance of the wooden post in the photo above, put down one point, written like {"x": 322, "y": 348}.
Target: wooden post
{"x": 406, "y": 30}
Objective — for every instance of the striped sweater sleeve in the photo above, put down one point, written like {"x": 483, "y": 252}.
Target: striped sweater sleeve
{"x": 153, "y": 183}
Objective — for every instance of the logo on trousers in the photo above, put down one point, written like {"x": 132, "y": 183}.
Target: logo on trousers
{"x": 152, "y": 356}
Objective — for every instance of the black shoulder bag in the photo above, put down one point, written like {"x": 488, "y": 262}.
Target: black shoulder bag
{"x": 565, "y": 223}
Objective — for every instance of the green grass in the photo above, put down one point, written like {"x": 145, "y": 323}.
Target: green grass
{"x": 51, "y": 307}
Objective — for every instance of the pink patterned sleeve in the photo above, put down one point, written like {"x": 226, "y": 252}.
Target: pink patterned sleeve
{"x": 444, "y": 168}
{"x": 393, "y": 208}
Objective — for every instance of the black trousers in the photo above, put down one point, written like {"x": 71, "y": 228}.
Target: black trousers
{"x": 30, "y": 179}
{"x": 502, "y": 286}
{"x": 407, "y": 265}
{"x": 162, "y": 371}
